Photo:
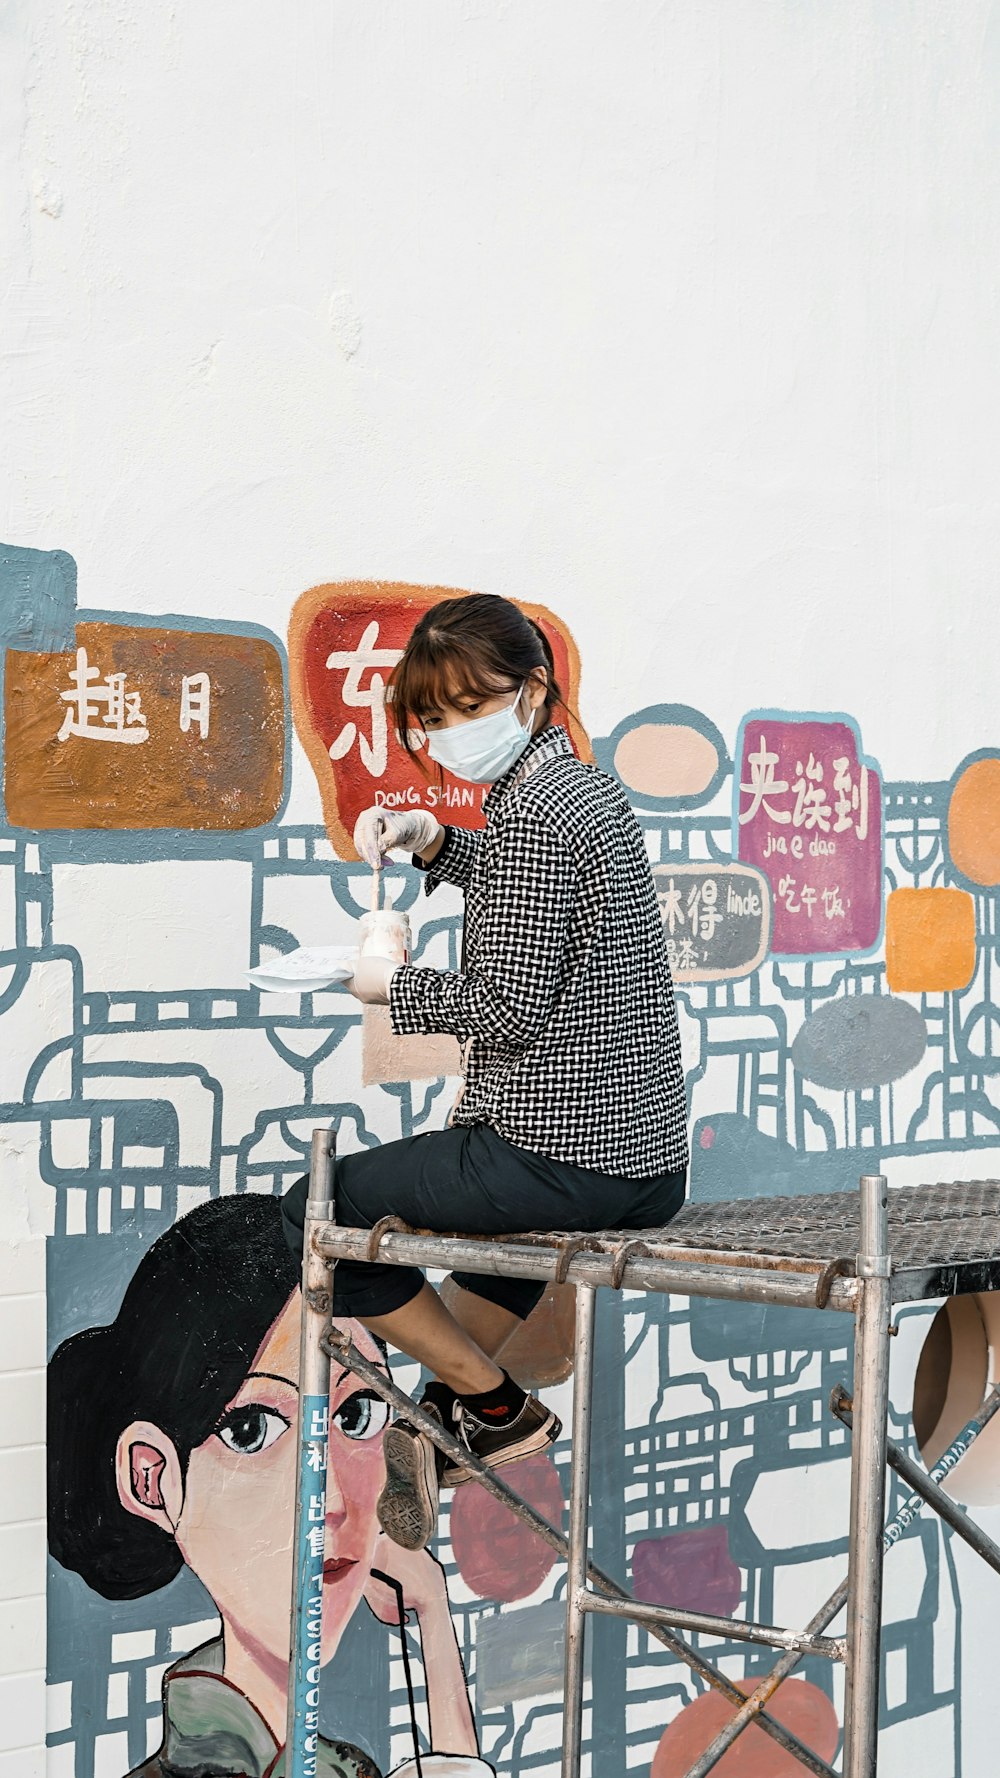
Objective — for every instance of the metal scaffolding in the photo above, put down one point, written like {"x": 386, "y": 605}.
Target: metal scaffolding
{"x": 853, "y": 1254}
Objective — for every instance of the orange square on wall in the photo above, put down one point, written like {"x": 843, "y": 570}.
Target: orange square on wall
{"x": 930, "y": 940}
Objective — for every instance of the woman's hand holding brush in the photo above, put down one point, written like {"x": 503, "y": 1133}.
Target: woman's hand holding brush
{"x": 378, "y": 831}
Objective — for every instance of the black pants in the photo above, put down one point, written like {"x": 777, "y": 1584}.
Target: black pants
{"x": 470, "y": 1180}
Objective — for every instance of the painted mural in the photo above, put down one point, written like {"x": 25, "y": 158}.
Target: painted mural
{"x": 165, "y": 1104}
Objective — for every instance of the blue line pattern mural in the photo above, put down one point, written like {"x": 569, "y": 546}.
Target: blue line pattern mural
{"x": 147, "y": 1079}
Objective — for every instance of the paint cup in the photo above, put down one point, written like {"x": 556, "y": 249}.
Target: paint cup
{"x": 385, "y": 934}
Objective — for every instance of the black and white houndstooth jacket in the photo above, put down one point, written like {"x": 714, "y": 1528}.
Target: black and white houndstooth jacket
{"x": 565, "y": 991}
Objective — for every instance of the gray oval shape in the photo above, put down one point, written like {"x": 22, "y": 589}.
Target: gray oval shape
{"x": 860, "y": 1040}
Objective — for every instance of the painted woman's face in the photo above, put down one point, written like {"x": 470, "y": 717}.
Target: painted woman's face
{"x": 235, "y": 1528}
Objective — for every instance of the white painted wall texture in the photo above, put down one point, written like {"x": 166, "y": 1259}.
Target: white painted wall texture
{"x": 680, "y": 317}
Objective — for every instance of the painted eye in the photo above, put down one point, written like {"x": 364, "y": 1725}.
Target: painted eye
{"x": 250, "y": 1429}
{"x": 363, "y": 1415}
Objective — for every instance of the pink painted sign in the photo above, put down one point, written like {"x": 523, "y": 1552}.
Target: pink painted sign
{"x": 808, "y": 813}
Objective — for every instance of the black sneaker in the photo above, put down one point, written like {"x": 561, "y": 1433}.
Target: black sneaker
{"x": 534, "y": 1428}
{"x": 407, "y": 1508}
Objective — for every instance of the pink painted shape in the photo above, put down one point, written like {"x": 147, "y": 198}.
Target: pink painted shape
{"x": 803, "y": 820}
{"x": 692, "y": 1569}
{"x": 499, "y": 1557}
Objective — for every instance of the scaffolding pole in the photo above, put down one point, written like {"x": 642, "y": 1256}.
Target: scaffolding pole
{"x": 773, "y": 1271}
{"x": 868, "y": 1454}
{"x": 305, "y": 1659}
{"x": 579, "y": 1517}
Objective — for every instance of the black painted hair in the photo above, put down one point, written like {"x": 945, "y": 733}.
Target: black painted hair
{"x": 196, "y": 1311}
{"x": 478, "y": 644}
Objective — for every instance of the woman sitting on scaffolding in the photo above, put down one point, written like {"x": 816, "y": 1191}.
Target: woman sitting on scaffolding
{"x": 573, "y": 1114}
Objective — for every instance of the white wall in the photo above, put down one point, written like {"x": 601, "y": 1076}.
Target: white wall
{"x": 680, "y": 317}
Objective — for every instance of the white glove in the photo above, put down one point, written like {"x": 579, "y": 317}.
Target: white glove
{"x": 371, "y": 979}
{"x": 378, "y": 831}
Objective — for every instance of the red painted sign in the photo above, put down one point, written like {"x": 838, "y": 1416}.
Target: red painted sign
{"x": 344, "y": 640}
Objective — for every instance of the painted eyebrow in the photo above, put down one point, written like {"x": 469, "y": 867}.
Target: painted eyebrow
{"x": 275, "y": 1377}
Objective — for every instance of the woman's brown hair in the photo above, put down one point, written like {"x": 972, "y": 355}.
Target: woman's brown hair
{"x": 473, "y": 646}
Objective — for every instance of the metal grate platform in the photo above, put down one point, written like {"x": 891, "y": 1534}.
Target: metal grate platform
{"x": 931, "y": 1227}
{"x": 944, "y": 1240}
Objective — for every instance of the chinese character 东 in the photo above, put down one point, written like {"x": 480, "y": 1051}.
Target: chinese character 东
{"x": 763, "y": 784}
{"x": 353, "y": 663}
{"x": 812, "y": 806}
{"x": 851, "y": 799}
{"x": 196, "y": 699}
{"x": 104, "y": 711}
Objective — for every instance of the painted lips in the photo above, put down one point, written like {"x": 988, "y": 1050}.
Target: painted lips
{"x": 336, "y": 1568}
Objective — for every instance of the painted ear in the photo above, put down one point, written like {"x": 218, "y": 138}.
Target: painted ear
{"x": 148, "y": 1469}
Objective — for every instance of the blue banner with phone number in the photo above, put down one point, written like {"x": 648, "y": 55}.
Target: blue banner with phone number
{"x": 301, "y": 1756}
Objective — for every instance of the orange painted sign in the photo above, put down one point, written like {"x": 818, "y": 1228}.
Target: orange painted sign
{"x": 344, "y": 640}
{"x": 138, "y": 727}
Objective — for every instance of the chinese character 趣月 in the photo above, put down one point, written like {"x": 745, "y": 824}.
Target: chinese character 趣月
{"x": 101, "y": 712}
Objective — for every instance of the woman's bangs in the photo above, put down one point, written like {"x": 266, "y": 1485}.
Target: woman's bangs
{"x": 433, "y": 675}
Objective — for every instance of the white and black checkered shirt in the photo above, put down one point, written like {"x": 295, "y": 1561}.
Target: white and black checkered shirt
{"x": 566, "y": 990}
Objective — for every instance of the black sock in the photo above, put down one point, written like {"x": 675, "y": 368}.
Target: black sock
{"x": 443, "y": 1397}
{"x": 496, "y": 1407}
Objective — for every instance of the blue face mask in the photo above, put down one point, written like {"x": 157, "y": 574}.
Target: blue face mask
{"x": 481, "y": 751}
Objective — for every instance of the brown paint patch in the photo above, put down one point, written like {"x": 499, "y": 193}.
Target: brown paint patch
{"x": 798, "y": 1704}
{"x": 540, "y": 1352}
{"x": 974, "y": 823}
{"x": 342, "y": 708}
{"x": 388, "y": 1058}
{"x": 666, "y": 759}
{"x": 930, "y": 940}
{"x": 230, "y": 778}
